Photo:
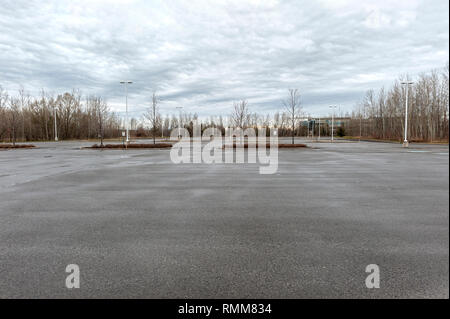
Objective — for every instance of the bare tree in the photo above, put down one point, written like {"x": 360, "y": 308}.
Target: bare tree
{"x": 293, "y": 109}
{"x": 68, "y": 113}
{"x": 4, "y": 98}
{"x": 24, "y": 101}
{"x": 13, "y": 118}
{"x": 152, "y": 116}
{"x": 240, "y": 116}
{"x": 100, "y": 109}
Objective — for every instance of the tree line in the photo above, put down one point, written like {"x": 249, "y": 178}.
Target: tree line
{"x": 379, "y": 115}
{"x": 27, "y": 118}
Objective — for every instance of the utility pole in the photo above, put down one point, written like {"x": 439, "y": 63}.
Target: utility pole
{"x": 405, "y": 141}
{"x": 126, "y": 106}
{"x": 333, "y": 107}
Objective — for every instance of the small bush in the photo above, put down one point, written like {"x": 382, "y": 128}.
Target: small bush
{"x": 340, "y": 131}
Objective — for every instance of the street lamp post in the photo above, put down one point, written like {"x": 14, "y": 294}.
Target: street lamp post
{"x": 332, "y": 122}
{"x": 319, "y": 128}
{"x": 405, "y": 141}
{"x": 179, "y": 121}
{"x": 162, "y": 125}
{"x": 360, "y": 123}
{"x": 56, "y": 127}
{"x": 126, "y": 106}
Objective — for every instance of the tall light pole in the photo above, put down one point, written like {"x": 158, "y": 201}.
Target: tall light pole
{"x": 179, "y": 121}
{"x": 56, "y": 127}
{"x": 333, "y": 107}
{"x": 405, "y": 141}
{"x": 162, "y": 125}
{"x": 126, "y": 106}
{"x": 319, "y": 128}
{"x": 360, "y": 123}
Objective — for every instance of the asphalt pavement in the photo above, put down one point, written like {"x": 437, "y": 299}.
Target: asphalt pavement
{"x": 140, "y": 226}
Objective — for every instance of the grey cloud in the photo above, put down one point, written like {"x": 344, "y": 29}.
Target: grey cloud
{"x": 204, "y": 55}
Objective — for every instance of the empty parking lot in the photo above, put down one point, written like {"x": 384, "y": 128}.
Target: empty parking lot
{"x": 140, "y": 226}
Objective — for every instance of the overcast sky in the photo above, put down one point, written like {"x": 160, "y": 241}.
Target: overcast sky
{"x": 203, "y": 55}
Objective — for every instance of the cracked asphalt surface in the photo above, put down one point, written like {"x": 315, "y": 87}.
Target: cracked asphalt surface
{"x": 140, "y": 226}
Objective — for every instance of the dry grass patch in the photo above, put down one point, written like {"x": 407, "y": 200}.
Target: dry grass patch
{"x": 121, "y": 146}
{"x": 246, "y": 145}
{"x": 11, "y": 146}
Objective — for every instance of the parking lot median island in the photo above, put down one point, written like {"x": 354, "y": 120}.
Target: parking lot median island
{"x": 121, "y": 146}
{"x": 11, "y": 146}
{"x": 267, "y": 145}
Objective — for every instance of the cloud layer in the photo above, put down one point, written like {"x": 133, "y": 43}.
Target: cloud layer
{"x": 203, "y": 55}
